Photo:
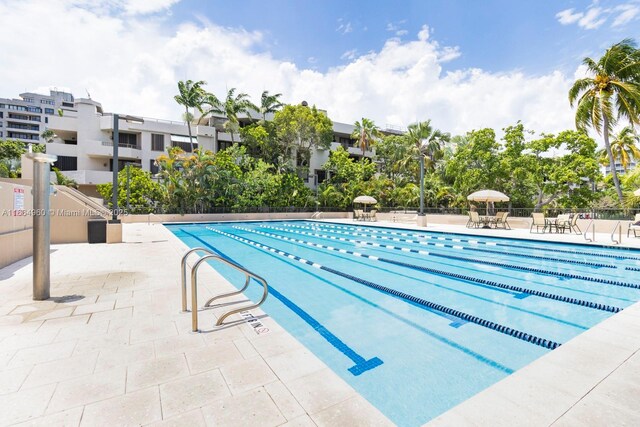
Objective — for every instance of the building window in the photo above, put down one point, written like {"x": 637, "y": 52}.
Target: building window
{"x": 28, "y": 99}
{"x": 153, "y": 168}
{"x": 66, "y": 163}
{"x": 48, "y": 102}
{"x": 223, "y": 145}
{"x": 128, "y": 140}
{"x": 186, "y": 146}
{"x": 157, "y": 142}
{"x": 48, "y": 111}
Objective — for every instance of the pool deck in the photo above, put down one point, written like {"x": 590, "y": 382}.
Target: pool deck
{"x": 118, "y": 351}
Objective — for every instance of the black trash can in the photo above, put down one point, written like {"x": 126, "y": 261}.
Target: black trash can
{"x": 97, "y": 230}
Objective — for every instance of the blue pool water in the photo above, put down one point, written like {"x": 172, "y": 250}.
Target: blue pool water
{"x": 419, "y": 321}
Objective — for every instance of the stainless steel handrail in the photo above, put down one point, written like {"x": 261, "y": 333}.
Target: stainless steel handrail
{"x": 183, "y": 271}
{"x": 619, "y": 228}
{"x": 194, "y": 290}
{"x": 592, "y": 223}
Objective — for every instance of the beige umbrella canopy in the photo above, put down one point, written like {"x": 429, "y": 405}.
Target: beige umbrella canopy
{"x": 637, "y": 192}
{"x": 488, "y": 196}
{"x": 365, "y": 200}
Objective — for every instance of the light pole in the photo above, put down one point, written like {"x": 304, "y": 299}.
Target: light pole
{"x": 423, "y": 143}
{"x": 116, "y": 142}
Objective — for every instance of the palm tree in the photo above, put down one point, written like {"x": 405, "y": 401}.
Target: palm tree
{"x": 366, "y": 133}
{"x": 611, "y": 93}
{"x": 269, "y": 104}
{"x": 427, "y": 146}
{"x": 190, "y": 95}
{"x": 231, "y": 108}
{"x": 623, "y": 148}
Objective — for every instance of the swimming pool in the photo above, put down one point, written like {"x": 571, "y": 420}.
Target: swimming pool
{"x": 419, "y": 321}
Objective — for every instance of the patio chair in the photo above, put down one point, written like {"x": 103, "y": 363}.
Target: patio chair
{"x": 474, "y": 220}
{"x": 573, "y": 224}
{"x": 634, "y": 226}
{"x": 501, "y": 220}
{"x": 372, "y": 215}
{"x": 538, "y": 221}
{"x": 563, "y": 223}
{"x": 358, "y": 214}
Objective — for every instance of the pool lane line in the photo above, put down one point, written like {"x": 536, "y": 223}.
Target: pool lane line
{"x": 632, "y": 268}
{"x": 518, "y": 289}
{"x": 520, "y": 267}
{"x": 424, "y": 236}
{"x": 467, "y": 248}
{"x": 361, "y": 364}
{"x": 379, "y": 247}
{"x": 458, "y": 323}
{"x": 542, "y": 342}
{"x": 483, "y": 359}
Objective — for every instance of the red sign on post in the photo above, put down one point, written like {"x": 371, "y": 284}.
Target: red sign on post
{"x": 18, "y": 201}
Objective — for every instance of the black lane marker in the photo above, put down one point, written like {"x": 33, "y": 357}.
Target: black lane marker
{"x": 541, "y": 294}
{"x": 466, "y": 248}
{"x": 471, "y": 241}
{"x": 515, "y": 267}
{"x": 542, "y": 342}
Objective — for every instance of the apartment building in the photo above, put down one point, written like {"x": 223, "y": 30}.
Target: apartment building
{"x": 83, "y": 137}
{"x": 25, "y": 119}
{"x": 606, "y": 170}
{"x": 83, "y": 142}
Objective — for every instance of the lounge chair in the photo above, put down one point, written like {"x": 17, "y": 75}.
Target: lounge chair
{"x": 474, "y": 220}
{"x": 500, "y": 220}
{"x": 538, "y": 221}
{"x": 634, "y": 226}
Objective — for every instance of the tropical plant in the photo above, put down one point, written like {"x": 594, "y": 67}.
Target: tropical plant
{"x": 190, "y": 95}
{"x": 623, "y": 148}
{"x": 366, "y": 133}
{"x": 62, "y": 179}
{"x": 611, "y": 93}
{"x": 269, "y": 104}
{"x": 233, "y": 105}
{"x": 48, "y": 135}
{"x": 142, "y": 190}
{"x": 426, "y": 142}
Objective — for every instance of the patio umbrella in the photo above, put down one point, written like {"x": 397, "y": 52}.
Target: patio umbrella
{"x": 637, "y": 192}
{"x": 488, "y": 196}
{"x": 365, "y": 200}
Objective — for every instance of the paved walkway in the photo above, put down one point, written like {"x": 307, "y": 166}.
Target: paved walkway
{"x": 112, "y": 348}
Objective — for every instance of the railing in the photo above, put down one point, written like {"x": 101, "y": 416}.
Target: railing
{"x": 619, "y": 228}
{"x": 591, "y": 225}
{"x": 194, "y": 287}
{"x": 122, "y": 145}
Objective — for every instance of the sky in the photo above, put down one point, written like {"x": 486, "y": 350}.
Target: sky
{"x": 463, "y": 64}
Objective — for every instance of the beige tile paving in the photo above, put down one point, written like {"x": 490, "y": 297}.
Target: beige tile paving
{"x": 156, "y": 371}
{"x": 70, "y": 418}
{"x": 247, "y": 374}
{"x": 319, "y": 390}
{"x": 61, "y": 370}
{"x": 24, "y": 404}
{"x": 192, "y": 392}
{"x": 88, "y": 389}
{"x": 131, "y": 409}
{"x": 246, "y": 410}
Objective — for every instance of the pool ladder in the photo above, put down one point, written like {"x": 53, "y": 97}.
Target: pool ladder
{"x": 194, "y": 286}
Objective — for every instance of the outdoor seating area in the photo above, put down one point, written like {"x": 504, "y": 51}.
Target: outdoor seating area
{"x": 560, "y": 224}
{"x": 486, "y": 221}
{"x": 363, "y": 215}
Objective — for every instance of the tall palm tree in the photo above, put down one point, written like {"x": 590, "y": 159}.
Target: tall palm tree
{"x": 426, "y": 144}
{"x": 269, "y": 104}
{"x": 190, "y": 95}
{"x": 232, "y": 106}
{"x": 623, "y": 148}
{"x": 612, "y": 92}
{"x": 366, "y": 133}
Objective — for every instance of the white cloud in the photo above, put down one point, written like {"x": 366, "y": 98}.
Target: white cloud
{"x": 567, "y": 16}
{"x": 131, "y": 65}
{"x": 401, "y": 33}
{"x": 626, "y": 14}
{"x": 595, "y": 17}
{"x": 350, "y": 54}
{"x": 344, "y": 28}
{"x": 592, "y": 19}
